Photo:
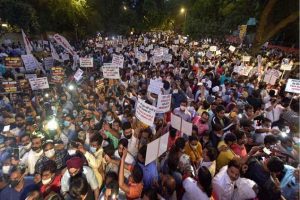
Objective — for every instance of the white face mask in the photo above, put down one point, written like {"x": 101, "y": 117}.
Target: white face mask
{"x": 28, "y": 146}
{"x": 71, "y": 152}
{"x": 175, "y": 91}
{"x": 5, "y": 169}
{"x": 50, "y": 153}
{"x": 47, "y": 181}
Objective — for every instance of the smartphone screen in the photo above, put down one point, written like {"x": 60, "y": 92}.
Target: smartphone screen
{"x": 267, "y": 151}
{"x": 6, "y": 128}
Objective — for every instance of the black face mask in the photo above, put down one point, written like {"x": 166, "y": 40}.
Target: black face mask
{"x": 35, "y": 148}
{"x": 14, "y": 183}
{"x": 128, "y": 136}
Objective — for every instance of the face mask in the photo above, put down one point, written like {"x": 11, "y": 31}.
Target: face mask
{"x": 108, "y": 118}
{"x": 128, "y": 136}
{"x": 66, "y": 123}
{"x": 47, "y": 181}
{"x": 289, "y": 149}
{"x": 93, "y": 149}
{"x": 14, "y": 183}
{"x": 50, "y": 153}
{"x": 75, "y": 113}
{"x": 175, "y": 91}
{"x": 28, "y": 146}
{"x": 5, "y": 169}
{"x": 194, "y": 147}
{"x": 35, "y": 148}
{"x": 85, "y": 128}
{"x": 71, "y": 152}
{"x": 219, "y": 135}
{"x": 182, "y": 108}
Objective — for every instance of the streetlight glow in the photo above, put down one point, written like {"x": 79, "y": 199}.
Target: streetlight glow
{"x": 124, "y": 7}
{"x": 4, "y": 25}
{"x": 182, "y": 10}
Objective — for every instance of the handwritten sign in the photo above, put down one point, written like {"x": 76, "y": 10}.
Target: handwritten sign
{"x": 110, "y": 71}
{"x": 13, "y": 62}
{"x": 118, "y": 60}
{"x": 30, "y": 76}
{"x": 293, "y": 85}
{"x": 155, "y": 86}
{"x": 48, "y": 63}
{"x": 57, "y": 74}
{"x": 30, "y": 62}
{"x": 10, "y": 86}
{"x": 145, "y": 112}
{"x": 39, "y": 83}
{"x": 86, "y": 62}
{"x": 163, "y": 103}
{"x": 212, "y": 48}
{"x": 78, "y": 75}
{"x": 167, "y": 57}
{"x": 286, "y": 65}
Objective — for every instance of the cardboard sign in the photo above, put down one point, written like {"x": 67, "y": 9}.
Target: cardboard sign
{"x": 293, "y": 85}
{"x": 231, "y": 48}
{"x": 286, "y": 65}
{"x": 86, "y": 62}
{"x": 246, "y": 58}
{"x": 163, "y": 103}
{"x": 181, "y": 125}
{"x": 167, "y": 57}
{"x": 12, "y": 62}
{"x": 30, "y": 62}
{"x": 78, "y": 75}
{"x": 145, "y": 112}
{"x": 10, "y": 86}
{"x": 176, "y": 41}
{"x": 48, "y": 63}
{"x": 213, "y": 48}
{"x": 39, "y": 83}
{"x": 156, "y": 148}
{"x": 30, "y": 76}
{"x": 110, "y": 71}
{"x": 118, "y": 60}
{"x": 271, "y": 76}
{"x": 155, "y": 86}
{"x": 57, "y": 74}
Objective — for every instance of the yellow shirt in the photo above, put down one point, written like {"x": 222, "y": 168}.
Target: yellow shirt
{"x": 224, "y": 157}
{"x": 194, "y": 154}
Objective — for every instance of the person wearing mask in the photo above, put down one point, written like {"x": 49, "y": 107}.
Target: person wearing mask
{"x": 220, "y": 118}
{"x": 216, "y": 135}
{"x": 17, "y": 183}
{"x": 132, "y": 138}
{"x": 25, "y": 145}
{"x": 209, "y": 159}
{"x": 193, "y": 149}
{"x": 30, "y": 158}
{"x": 183, "y": 112}
{"x": 178, "y": 96}
{"x": 51, "y": 179}
{"x": 68, "y": 132}
{"x": 50, "y": 153}
{"x": 76, "y": 169}
{"x": 80, "y": 189}
{"x": 201, "y": 189}
{"x": 134, "y": 188}
{"x": 286, "y": 147}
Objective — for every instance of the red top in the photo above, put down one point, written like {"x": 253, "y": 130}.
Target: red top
{"x": 53, "y": 186}
{"x": 239, "y": 150}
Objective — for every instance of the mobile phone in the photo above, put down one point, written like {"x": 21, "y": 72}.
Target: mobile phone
{"x": 16, "y": 153}
{"x": 6, "y": 128}
{"x": 266, "y": 151}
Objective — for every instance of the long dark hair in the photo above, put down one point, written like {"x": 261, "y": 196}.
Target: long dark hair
{"x": 205, "y": 178}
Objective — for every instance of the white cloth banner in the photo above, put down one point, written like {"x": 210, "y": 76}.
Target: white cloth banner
{"x": 30, "y": 62}
{"x": 39, "y": 83}
{"x": 293, "y": 85}
{"x": 163, "y": 103}
{"x": 86, "y": 62}
{"x": 110, "y": 71}
{"x": 64, "y": 43}
{"x": 28, "y": 47}
{"x": 118, "y": 60}
{"x": 145, "y": 112}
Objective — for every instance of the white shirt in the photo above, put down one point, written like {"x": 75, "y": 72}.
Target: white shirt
{"x": 30, "y": 159}
{"x": 275, "y": 113}
{"x": 192, "y": 190}
{"x": 132, "y": 144}
{"x": 223, "y": 187}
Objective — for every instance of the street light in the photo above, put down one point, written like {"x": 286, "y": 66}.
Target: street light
{"x": 4, "y": 25}
{"x": 124, "y": 7}
{"x": 182, "y": 10}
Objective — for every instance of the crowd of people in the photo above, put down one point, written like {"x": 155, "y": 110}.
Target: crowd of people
{"x": 81, "y": 140}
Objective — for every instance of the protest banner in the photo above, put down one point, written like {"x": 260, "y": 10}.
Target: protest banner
{"x": 271, "y": 76}
{"x": 157, "y": 59}
{"x": 145, "y": 112}
{"x": 286, "y": 65}
{"x": 165, "y": 50}
{"x": 86, "y": 62}
{"x": 163, "y": 103}
{"x": 110, "y": 71}
{"x": 213, "y": 48}
{"x": 30, "y": 76}
{"x": 64, "y": 43}
{"x": 10, "y": 86}
{"x": 218, "y": 52}
{"x": 65, "y": 56}
{"x": 54, "y": 54}
{"x": 158, "y": 52}
{"x": 155, "y": 86}
{"x": 176, "y": 41}
{"x": 167, "y": 57}
{"x": 156, "y": 148}
{"x": 181, "y": 125}
{"x": 28, "y": 47}
{"x": 118, "y": 60}
{"x": 293, "y": 85}
{"x": 13, "y": 62}
{"x": 48, "y": 63}
{"x": 78, "y": 75}
{"x": 39, "y": 83}
{"x": 209, "y": 54}
{"x": 246, "y": 58}
{"x": 30, "y": 62}
{"x": 57, "y": 74}
{"x": 231, "y": 48}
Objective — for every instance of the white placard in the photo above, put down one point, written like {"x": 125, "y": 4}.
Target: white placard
{"x": 145, "y": 112}
{"x": 213, "y": 48}
{"x": 155, "y": 86}
{"x": 167, "y": 57}
{"x": 86, "y": 62}
{"x": 176, "y": 122}
{"x": 48, "y": 63}
{"x": 163, "y": 103}
{"x": 39, "y": 83}
{"x": 110, "y": 71}
{"x": 271, "y": 76}
{"x": 78, "y": 75}
{"x": 30, "y": 76}
{"x": 143, "y": 57}
{"x": 65, "y": 56}
{"x": 152, "y": 151}
{"x": 186, "y": 127}
{"x": 218, "y": 53}
{"x": 231, "y": 48}
{"x": 293, "y": 85}
{"x": 286, "y": 65}
{"x": 30, "y": 62}
{"x": 176, "y": 41}
{"x": 157, "y": 59}
{"x": 118, "y": 60}
{"x": 246, "y": 58}
{"x": 209, "y": 54}
{"x": 163, "y": 144}
{"x": 158, "y": 52}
